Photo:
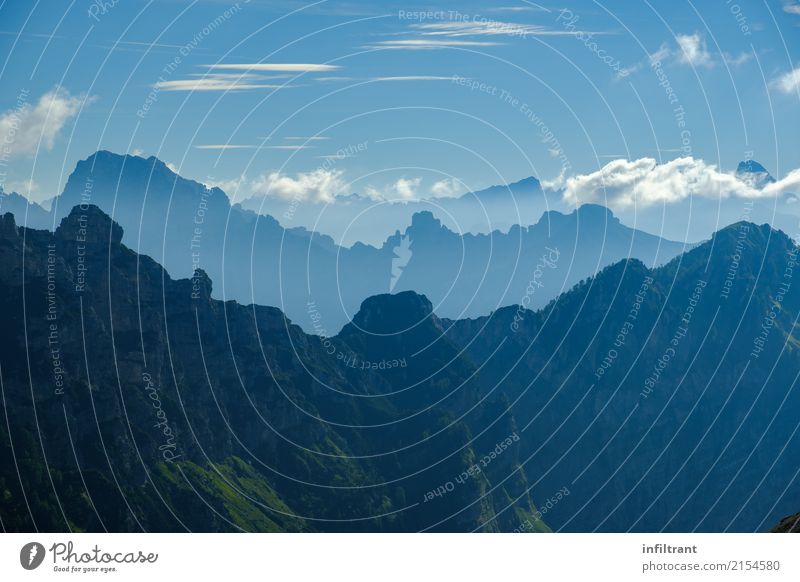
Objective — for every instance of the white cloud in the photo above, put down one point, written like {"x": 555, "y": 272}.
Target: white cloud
{"x": 428, "y": 44}
{"x": 249, "y": 78}
{"x": 789, "y": 82}
{"x": 218, "y": 82}
{"x": 317, "y": 186}
{"x": 24, "y": 187}
{"x": 693, "y": 50}
{"x": 406, "y": 188}
{"x": 660, "y": 55}
{"x": 621, "y": 183}
{"x": 230, "y": 187}
{"x": 225, "y": 146}
{"x": 413, "y": 78}
{"x": 792, "y": 8}
{"x": 456, "y": 28}
{"x": 517, "y": 9}
{"x": 739, "y": 60}
{"x": 402, "y": 189}
{"x": 556, "y": 183}
{"x": 446, "y": 187}
{"x": 171, "y": 166}
{"x": 238, "y": 146}
{"x": 24, "y": 128}
{"x": 279, "y": 67}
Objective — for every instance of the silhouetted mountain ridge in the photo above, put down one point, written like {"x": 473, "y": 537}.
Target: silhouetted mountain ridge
{"x": 185, "y": 226}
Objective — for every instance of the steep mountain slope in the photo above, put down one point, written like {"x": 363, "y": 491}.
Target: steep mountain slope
{"x": 640, "y": 400}
{"x": 132, "y": 401}
{"x": 665, "y": 399}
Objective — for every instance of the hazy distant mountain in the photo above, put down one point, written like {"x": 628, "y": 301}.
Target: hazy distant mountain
{"x": 472, "y": 275}
{"x": 252, "y": 258}
{"x": 355, "y": 218}
{"x": 28, "y": 213}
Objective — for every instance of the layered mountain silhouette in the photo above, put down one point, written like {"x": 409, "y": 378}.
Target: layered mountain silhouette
{"x": 642, "y": 399}
{"x": 353, "y": 218}
{"x": 254, "y": 259}
{"x": 132, "y": 401}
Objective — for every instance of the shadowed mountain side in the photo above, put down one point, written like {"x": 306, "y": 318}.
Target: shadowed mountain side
{"x": 641, "y": 399}
{"x": 134, "y": 402}
{"x": 664, "y": 399}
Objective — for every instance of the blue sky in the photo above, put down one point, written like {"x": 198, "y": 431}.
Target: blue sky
{"x": 416, "y": 98}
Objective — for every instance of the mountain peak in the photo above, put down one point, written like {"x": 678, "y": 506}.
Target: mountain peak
{"x": 753, "y": 174}
{"x": 87, "y": 223}
{"x": 524, "y": 188}
{"x": 8, "y": 226}
{"x": 749, "y": 166}
{"x": 392, "y": 313}
{"x": 425, "y": 220}
{"x": 586, "y": 213}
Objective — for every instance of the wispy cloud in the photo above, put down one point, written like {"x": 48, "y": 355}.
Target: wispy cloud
{"x": 660, "y": 55}
{"x": 24, "y": 128}
{"x": 275, "y": 67}
{"x": 523, "y": 8}
{"x": 427, "y": 44}
{"x": 788, "y": 82}
{"x": 231, "y": 146}
{"x": 413, "y": 78}
{"x": 464, "y": 32}
{"x": 693, "y": 50}
{"x": 249, "y": 78}
{"x": 737, "y": 60}
{"x": 218, "y": 82}
{"x": 459, "y": 28}
{"x": 225, "y": 146}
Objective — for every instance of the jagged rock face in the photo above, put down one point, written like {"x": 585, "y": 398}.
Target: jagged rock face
{"x": 152, "y": 406}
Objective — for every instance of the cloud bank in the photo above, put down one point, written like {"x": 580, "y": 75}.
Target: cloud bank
{"x": 621, "y": 184}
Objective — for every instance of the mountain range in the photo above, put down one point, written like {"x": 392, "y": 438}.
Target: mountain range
{"x": 641, "y": 399}
{"x": 354, "y": 218}
{"x": 253, "y": 258}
